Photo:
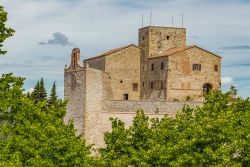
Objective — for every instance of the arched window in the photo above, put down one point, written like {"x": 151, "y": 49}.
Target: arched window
{"x": 207, "y": 87}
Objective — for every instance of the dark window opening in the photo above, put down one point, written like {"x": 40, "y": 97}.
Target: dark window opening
{"x": 196, "y": 67}
{"x": 143, "y": 38}
{"x": 207, "y": 87}
{"x": 125, "y": 96}
{"x": 121, "y": 81}
{"x": 167, "y": 37}
{"x": 162, "y": 85}
{"x": 135, "y": 86}
{"x": 143, "y": 84}
{"x": 162, "y": 65}
{"x": 215, "y": 67}
{"x": 151, "y": 85}
{"x": 152, "y": 67}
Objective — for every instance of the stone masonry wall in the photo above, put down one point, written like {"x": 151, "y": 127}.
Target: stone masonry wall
{"x": 183, "y": 81}
{"x": 125, "y": 111}
{"x": 157, "y": 77}
{"x": 97, "y": 63}
{"x": 152, "y": 40}
{"x": 74, "y": 92}
{"x": 147, "y": 106}
{"x": 123, "y": 68}
{"x": 94, "y": 98}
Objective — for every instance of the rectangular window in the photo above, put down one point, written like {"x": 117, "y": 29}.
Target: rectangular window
{"x": 162, "y": 85}
{"x": 215, "y": 67}
{"x": 125, "y": 96}
{"x": 143, "y": 84}
{"x": 162, "y": 65}
{"x": 151, "y": 84}
{"x": 152, "y": 67}
{"x": 196, "y": 67}
{"x": 135, "y": 86}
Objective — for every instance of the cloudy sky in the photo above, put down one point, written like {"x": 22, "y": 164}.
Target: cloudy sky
{"x": 47, "y": 31}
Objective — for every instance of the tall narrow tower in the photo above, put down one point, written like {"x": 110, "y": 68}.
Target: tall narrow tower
{"x": 153, "y": 40}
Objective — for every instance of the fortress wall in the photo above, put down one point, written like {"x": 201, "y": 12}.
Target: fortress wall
{"x": 103, "y": 124}
{"x": 125, "y": 111}
{"x": 74, "y": 92}
{"x": 147, "y": 106}
{"x": 94, "y": 96}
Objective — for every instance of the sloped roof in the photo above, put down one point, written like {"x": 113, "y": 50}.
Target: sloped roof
{"x": 111, "y": 52}
{"x": 173, "y": 51}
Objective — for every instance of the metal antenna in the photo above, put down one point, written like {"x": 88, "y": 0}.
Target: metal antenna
{"x": 150, "y": 18}
{"x": 142, "y": 20}
{"x": 172, "y": 21}
{"x": 182, "y": 20}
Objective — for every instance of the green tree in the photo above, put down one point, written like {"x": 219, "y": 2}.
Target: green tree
{"x": 216, "y": 134}
{"x": 42, "y": 91}
{"x": 35, "y": 95}
{"x": 31, "y": 137}
{"x": 53, "y": 97}
{"x": 4, "y": 31}
{"x": 233, "y": 91}
{"x": 39, "y": 93}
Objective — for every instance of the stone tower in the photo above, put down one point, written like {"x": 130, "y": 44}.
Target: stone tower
{"x": 74, "y": 91}
{"x": 153, "y": 40}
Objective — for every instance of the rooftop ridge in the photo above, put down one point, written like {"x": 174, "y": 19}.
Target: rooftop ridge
{"x": 173, "y": 51}
{"x": 111, "y": 51}
{"x": 162, "y": 27}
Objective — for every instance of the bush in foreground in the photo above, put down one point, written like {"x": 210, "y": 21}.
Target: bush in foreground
{"x": 33, "y": 134}
{"x": 216, "y": 134}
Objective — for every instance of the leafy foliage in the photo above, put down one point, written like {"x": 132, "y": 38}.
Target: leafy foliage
{"x": 4, "y": 31}
{"x": 39, "y": 93}
{"x": 216, "y": 134}
{"x": 31, "y": 137}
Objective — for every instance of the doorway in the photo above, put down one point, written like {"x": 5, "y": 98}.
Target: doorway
{"x": 207, "y": 87}
{"x": 125, "y": 96}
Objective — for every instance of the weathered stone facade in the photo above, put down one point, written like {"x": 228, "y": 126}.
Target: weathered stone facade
{"x": 159, "y": 76}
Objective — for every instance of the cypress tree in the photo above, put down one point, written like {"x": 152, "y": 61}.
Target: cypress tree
{"x": 35, "y": 95}
{"x": 42, "y": 91}
{"x": 53, "y": 97}
{"x": 28, "y": 95}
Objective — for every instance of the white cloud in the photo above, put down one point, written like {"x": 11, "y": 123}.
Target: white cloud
{"x": 99, "y": 25}
{"x": 227, "y": 81}
{"x": 57, "y": 38}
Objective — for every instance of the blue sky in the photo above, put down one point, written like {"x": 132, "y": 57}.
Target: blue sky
{"x": 47, "y": 31}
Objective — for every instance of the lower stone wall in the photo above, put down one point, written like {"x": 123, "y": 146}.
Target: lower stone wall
{"x": 125, "y": 111}
{"x": 102, "y": 124}
{"x": 147, "y": 106}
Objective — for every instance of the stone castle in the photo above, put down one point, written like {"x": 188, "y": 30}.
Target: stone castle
{"x": 159, "y": 75}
